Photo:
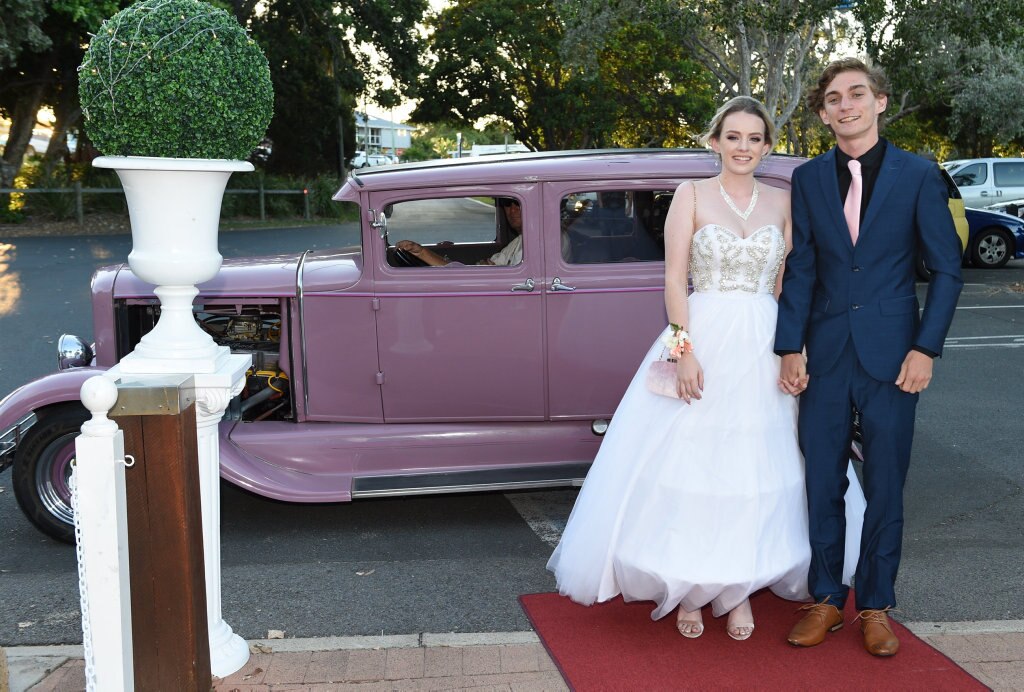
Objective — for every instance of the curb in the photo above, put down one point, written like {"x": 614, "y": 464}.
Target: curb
{"x": 29, "y": 665}
{"x": 928, "y": 629}
{"x": 25, "y": 666}
{"x": 4, "y": 675}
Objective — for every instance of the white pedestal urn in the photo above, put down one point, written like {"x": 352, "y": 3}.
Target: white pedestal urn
{"x": 174, "y": 205}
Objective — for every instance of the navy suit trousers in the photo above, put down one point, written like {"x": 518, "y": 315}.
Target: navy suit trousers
{"x": 826, "y": 428}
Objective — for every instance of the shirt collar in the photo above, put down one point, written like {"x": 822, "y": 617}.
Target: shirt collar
{"x": 872, "y": 158}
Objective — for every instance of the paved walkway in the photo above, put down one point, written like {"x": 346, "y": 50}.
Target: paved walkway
{"x": 991, "y": 651}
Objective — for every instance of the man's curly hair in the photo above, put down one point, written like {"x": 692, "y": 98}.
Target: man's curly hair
{"x": 877, "y": 81}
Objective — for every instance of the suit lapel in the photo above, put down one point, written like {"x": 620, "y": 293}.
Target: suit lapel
{"x": 829, "y": 180}
{"x": 888, "y": 175}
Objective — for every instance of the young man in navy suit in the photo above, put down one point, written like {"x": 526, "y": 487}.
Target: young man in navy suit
{"x": 861, "y": 212}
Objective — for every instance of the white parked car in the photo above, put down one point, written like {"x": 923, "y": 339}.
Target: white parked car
{"x": 363, "y": 160}
{"x": 984, "y": 182}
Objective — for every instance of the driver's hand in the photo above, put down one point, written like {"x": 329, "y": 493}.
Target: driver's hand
{"x": 409, "y": 246}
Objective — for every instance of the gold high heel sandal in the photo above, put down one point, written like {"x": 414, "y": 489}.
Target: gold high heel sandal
{"x": 740, "y": 631}
{"x": 689, "y": 628}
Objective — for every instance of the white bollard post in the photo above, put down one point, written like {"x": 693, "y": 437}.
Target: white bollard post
{"x": 101, "y": 527}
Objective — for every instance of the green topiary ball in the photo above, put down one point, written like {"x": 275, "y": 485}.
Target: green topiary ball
{"x": 175, "y": 78}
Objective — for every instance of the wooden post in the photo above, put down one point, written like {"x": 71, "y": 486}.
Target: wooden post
{"x": 165, "y": 537}
{"x": 4, "y": 674}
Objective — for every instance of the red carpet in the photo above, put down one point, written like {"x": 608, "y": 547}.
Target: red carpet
{"x": 616, "y": 646}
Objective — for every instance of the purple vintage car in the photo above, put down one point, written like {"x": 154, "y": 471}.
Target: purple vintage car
{"x": 373, "y": 376}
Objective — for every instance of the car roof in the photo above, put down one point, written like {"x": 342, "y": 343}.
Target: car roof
{"x": 983, "y": 159}
{"x": 587, "y": 164}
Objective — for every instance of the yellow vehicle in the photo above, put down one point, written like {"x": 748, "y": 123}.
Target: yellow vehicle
{"x": 956, "y": 209}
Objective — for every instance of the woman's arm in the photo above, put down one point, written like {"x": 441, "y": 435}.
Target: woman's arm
{"x": 787, "y": 234}
{"x": 679, "y": 229}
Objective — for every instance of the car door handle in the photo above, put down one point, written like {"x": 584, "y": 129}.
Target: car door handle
{"x": 557, "y": 285}
{"x": 984, "y": 193}
{"x": 525, "y": 286}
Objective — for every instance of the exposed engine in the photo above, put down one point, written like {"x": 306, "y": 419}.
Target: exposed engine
{"x": 253, "y": 329}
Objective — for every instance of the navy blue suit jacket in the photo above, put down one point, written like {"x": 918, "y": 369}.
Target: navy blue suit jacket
{"x": 833, "y": 291}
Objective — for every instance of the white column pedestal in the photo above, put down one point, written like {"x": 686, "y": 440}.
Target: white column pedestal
{"x": 228, "y": 651}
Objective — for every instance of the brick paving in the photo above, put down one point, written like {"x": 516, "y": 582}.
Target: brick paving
{"x": 516, "y": 665}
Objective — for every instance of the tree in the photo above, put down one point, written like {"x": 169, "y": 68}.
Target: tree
{"x": 321, "y": 70}
{"x": 21, "y": 29}
{"x": 761, "y": 48}
{"x": 495, "y": 60}
{"x": 43, "y": 72}
{"x": 954, "y": 62}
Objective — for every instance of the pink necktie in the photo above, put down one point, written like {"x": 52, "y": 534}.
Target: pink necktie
{"x": 852, "y": 207}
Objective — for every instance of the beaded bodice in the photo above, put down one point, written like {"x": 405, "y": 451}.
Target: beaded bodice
{"x": 722, "y": 261}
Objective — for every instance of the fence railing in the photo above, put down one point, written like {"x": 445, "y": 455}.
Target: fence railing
{"x": 78, "y": 191}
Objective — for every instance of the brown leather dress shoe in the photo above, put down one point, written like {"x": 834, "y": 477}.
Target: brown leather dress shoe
{"x": 879, "y": 639}
{"x": 821, "y": 618}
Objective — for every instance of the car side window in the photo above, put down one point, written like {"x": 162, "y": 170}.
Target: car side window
{"x": 1008, "y": 174}
{"x": 611, "y": 226}
{"x": 974, "y": 174}
{"x": 476, "y": 230}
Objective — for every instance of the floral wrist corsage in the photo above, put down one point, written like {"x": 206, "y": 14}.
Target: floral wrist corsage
{"x": 678, "y": 341}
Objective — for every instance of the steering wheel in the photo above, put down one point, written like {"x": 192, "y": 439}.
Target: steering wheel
{"x": 407, "y": 259}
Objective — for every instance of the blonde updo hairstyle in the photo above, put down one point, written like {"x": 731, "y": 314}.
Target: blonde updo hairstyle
{"x": 739, "y": 104}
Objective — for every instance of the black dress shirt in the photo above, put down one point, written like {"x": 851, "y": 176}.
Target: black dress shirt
{"x": 870, "y": 164}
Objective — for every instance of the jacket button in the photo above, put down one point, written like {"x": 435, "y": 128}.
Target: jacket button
{"x": 856, "y": 269}
{"x": 855, "y": 306}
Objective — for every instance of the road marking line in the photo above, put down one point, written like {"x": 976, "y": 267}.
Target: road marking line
{"x": 997, "y": 341}
{"x": 544, "y": 512}
{"x": 989, "y": 307}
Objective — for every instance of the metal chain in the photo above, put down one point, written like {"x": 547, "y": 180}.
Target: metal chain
{"x": 90, "y": 662}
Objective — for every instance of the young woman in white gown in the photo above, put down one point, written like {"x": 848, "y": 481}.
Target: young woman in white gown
{"x": 701, "y": 499}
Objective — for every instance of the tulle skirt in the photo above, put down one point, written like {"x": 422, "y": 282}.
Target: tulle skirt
{"x": 700, "y": 503}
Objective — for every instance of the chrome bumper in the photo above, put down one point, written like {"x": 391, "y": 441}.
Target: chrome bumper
{"x": 11, "y": 437}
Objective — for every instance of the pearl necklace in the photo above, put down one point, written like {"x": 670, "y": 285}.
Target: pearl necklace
{"x": 732, "y": 205}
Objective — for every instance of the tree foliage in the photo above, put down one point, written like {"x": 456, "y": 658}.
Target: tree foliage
{"x": 956, "y": 63}
{"x": 44, "y": 72}
{"x": 21, "y": 29}
{"x": 491, "y": 59}
{"x": 760, "y": 48}
{"x": 321, "y": 65}
{"x": 325, "y": 57}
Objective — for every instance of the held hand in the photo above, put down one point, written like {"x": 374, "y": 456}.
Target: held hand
{"x": 916, "y": 373}
{"x": 689, "y": 377}
{"x": 793, "y": 377}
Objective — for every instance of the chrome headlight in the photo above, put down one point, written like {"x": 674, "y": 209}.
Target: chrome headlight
{"x": 72, "y": 352}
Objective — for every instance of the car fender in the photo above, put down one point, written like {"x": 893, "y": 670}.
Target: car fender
{"x": 55, "y": 388}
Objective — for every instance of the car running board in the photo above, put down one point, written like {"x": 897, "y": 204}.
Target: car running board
{"x": 547, "y": 476}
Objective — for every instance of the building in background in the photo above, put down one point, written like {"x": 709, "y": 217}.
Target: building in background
{"x": 379, "y": 136}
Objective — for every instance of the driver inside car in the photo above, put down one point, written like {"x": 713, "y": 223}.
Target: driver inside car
{"x": 509, "y": 255}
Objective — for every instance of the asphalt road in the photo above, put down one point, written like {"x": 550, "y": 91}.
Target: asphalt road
{"x": 457, "y": 563}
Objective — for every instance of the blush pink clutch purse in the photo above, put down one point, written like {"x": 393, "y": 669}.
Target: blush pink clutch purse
{"x": 661, "y": 378}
